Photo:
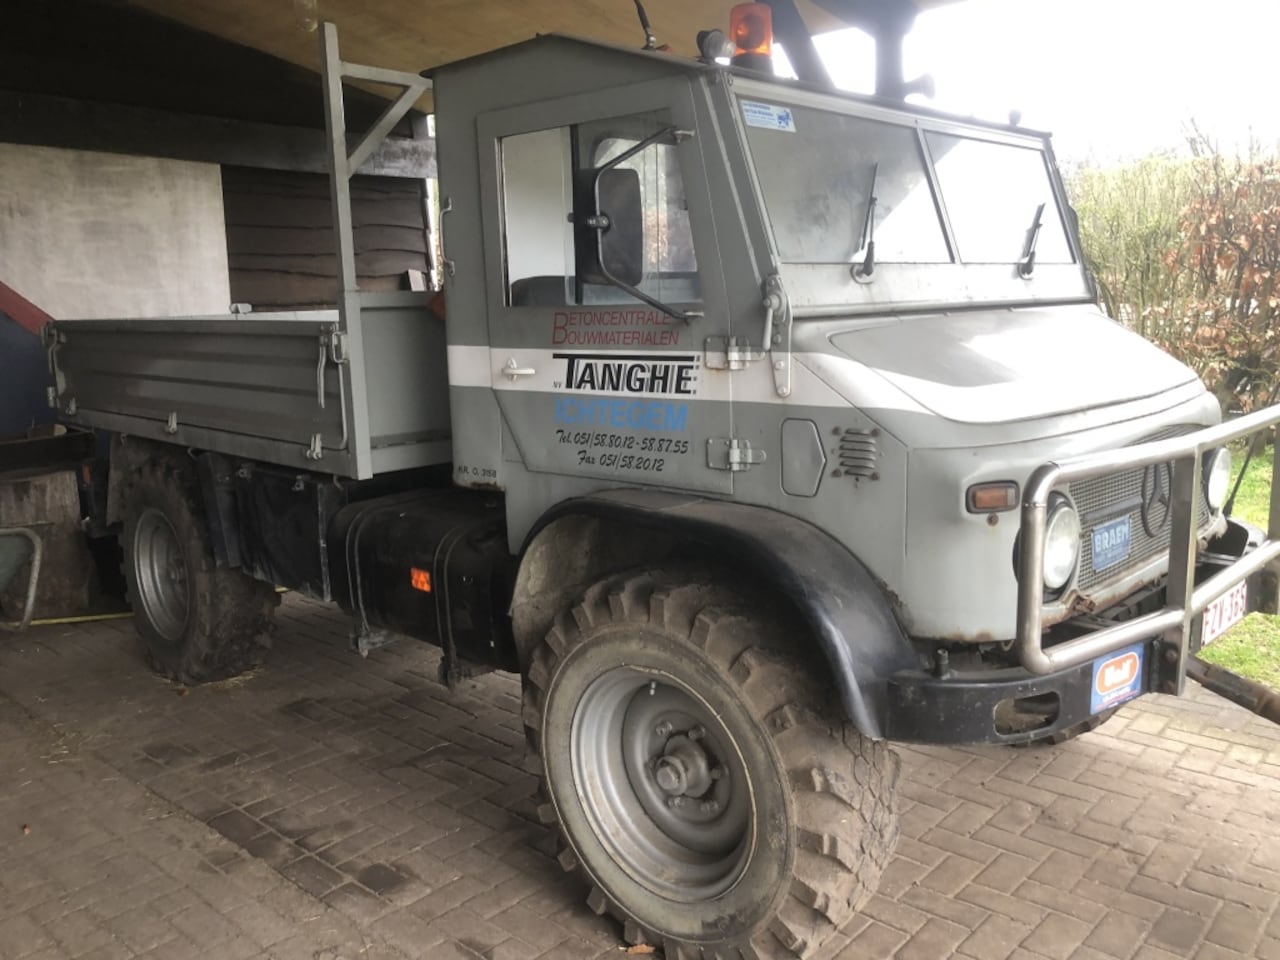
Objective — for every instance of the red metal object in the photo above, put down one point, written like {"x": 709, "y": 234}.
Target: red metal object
{"x": 21, "y": 310}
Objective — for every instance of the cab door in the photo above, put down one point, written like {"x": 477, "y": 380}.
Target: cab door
{"x": 603, "y": 285}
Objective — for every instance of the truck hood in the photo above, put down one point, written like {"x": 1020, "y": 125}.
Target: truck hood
{"x": 999, "y": 366}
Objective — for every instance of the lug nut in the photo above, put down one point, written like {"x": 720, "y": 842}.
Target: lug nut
{"x": 662, "y": 730}
{"x": 717, "y": 773}
{"x": 709, "y": 806}
{"x": 697, "y": 733}
{"x": 675, "y": 803}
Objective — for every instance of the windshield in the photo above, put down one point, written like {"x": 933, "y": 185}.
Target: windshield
{"x": 819, "y": 171}
{"x": 992, "y": 192}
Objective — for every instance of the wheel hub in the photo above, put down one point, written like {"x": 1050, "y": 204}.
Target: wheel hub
{"x": 160, "y": 572}
{"x": 662, "y": 783}
{"x": 683, "y": 769}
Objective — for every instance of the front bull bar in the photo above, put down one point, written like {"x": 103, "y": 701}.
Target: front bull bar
{"x": 1184, "y": 600}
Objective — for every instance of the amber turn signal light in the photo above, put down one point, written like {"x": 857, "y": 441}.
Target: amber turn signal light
{"x": 751, "y": 30}
{"x": 420, "y": 579}
{"x": 992, "y": 497}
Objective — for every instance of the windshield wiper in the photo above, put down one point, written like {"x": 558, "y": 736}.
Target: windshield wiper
{"x": 1027, "y": 265}
{"x": 868, "y": 240}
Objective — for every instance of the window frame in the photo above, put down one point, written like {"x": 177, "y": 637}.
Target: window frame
{"x": 926, "y": 167}
{"x": 673, "y": 95}
{"x": 829, "y": 290}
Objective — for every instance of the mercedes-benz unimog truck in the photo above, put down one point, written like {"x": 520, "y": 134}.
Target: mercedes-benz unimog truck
{"x": 764, "y": 425}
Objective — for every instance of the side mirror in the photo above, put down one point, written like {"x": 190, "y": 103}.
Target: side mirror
{"x": 609, "y": 227}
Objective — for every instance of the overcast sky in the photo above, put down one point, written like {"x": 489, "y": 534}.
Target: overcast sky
{"x": 1109, "y": 78}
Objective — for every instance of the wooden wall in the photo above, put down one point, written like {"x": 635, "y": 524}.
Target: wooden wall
{"x": 280, "y": 247}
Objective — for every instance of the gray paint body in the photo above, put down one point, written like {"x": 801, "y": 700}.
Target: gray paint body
{"x": 902, "y": 392}
{"x": 970, "y": 374}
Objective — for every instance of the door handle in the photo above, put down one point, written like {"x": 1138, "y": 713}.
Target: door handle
{"x": 514, "y": 372}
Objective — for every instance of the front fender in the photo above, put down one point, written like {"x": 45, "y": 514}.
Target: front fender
{"x": 845, "y": 609}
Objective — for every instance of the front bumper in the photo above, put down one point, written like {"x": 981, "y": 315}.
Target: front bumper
{"x": 1180, "y": 459}
{"x": 1012, "y": 705}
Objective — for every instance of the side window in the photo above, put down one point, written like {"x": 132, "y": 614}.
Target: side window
{"x": 543, "y": 172}
{"x": 537, "y": 199}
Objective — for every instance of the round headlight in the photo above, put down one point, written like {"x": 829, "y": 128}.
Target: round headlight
{"x": 1061, "y": 545}
{"x": 1217, "y": 477}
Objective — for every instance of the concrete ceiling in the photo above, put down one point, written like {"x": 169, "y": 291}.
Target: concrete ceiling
{"x": 414, "y": 36}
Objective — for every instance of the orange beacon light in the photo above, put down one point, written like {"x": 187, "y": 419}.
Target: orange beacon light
{"x": 751, "y": 30}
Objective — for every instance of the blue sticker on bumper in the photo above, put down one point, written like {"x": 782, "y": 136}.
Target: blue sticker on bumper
{"x": 1117, "y": 677}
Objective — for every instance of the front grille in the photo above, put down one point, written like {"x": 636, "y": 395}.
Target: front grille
{"x": 1110, "y": 496}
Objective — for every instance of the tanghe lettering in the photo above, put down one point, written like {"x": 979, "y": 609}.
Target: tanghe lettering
{"x": 619, "y": 373}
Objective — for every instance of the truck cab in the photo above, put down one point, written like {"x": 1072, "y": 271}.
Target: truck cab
{"x": 872, "y": 318}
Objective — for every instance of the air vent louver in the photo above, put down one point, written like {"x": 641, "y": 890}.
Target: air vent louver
{"x": 858, "y": 455}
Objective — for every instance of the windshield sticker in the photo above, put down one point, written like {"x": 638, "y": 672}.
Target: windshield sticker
{"x": 768, "y": 116}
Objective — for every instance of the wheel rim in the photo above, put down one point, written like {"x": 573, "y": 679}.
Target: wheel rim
{"x": 160, "y": 571}
{"x": 662, "y": 783}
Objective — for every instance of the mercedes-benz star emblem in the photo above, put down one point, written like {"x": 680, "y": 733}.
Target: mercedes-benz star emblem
{"x": 1157, "y": 503}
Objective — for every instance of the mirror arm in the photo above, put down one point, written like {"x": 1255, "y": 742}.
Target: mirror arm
{"x": 655, "y": 137}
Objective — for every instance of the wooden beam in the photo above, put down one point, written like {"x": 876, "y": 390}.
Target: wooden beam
{"x": 49, "y": 121}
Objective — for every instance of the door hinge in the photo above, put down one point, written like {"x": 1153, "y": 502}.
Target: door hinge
{"x": 729, "y": 353}
{"x": 732, "y": 453}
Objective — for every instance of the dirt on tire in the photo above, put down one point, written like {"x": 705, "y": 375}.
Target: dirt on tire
{"x": 839, "y": 786}
{"x": 229, "y": 615}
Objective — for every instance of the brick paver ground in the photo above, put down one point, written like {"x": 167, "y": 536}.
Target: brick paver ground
{"x": 326, "y": 808}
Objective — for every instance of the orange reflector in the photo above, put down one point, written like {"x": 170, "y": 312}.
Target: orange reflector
{"x": 751, "y": 29}
{"x": 992, "y": 497}
{"x": 420, "y": 579}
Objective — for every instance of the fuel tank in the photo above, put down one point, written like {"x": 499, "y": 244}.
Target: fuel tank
{"x": 430, "y": 564}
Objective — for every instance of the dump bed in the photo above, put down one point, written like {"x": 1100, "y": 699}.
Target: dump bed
{"x": 286, "y": 388}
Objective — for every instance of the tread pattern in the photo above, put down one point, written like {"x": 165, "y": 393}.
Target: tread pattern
{"x": 230, "y": 628}
{"x": 843, "y": 785}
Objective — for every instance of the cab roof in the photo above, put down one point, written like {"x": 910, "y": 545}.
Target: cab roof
{"x": 699, "y": 67}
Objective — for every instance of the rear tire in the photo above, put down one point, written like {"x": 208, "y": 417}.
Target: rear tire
{"x": 198, "y": 622}
{"x": 701, "y": 774}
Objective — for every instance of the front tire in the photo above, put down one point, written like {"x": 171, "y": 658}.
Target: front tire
{"x": 702, "y": 777}
{"x": 198, "y": 622}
